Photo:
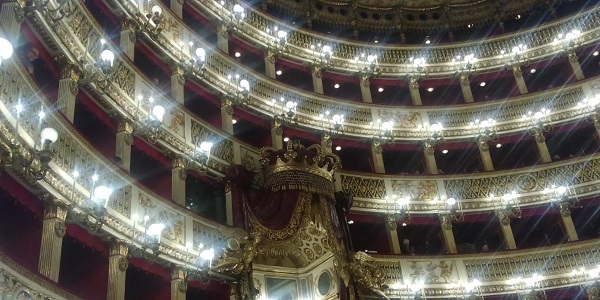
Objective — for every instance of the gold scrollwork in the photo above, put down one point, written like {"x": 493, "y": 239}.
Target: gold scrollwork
{"x": 182, "y": 286}
{"x": 123, "y": 264}
{"x": 60, "y": 229}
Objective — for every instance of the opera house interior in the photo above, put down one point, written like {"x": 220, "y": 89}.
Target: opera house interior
{"x": 299, "y": 149}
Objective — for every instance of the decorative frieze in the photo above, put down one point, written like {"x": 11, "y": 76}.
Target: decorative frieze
{"x": 392, "y": 59}
{"x": 357, "y": 116}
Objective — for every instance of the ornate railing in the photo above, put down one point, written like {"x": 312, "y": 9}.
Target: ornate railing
{"x": 369, "y": 190}
{"x": 72, "y": 152}
{"x": 441, "y": 275}
{"x": 393, "y": 59}
{"x": 562, "y": 102}
{"x": 582, "y": 174}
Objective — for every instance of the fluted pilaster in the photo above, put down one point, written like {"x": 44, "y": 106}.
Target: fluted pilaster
{"x": 413, "y": 88}
{"x": 53, "y": 231}
{"x": 178, "y": 285}
{"x": 124, "y": 140}
{"x": 178, "y": 177}
{"x": 365, "y": 89}
{"x": 465, "y": 86}
{"x": 391, "y": 229}
{"x": 67, "y": 88}
{"x": 448, "y": 234}
{"x": 117, "y": 267}
{"x": 377, "y": 154}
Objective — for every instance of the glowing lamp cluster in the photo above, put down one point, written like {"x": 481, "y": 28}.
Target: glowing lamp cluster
{"x": 6, "y": 50}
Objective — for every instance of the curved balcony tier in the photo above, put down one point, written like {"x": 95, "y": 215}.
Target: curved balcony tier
{"x": 72, "y": 153}
{"x": 394, "y": 60}
{"x": 408, "y": 121}
{"x": 369, "y": 190}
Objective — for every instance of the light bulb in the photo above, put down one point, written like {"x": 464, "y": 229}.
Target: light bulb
{"x": 451, "y": 201}
{"x": 102, "y": 192}
{"x": 245, "y": 85}
{"x": 6, "y": 49}
{"x": 158, "y": 112}
{"x": 207, "y": 254}
{"x": 107, "y": 56}
{"x": 205, "y": 147}
{"x": 49, "y": 134}
{"x": 281, "y": 34}
{"x": 201, "y": 54}
{"x": 156, "y": 10}
{"x": 156, "y": 229}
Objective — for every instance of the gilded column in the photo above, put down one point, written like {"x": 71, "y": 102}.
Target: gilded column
{"x": 516, "y": 69}
{"x": 178, "y": 284}
{"x": 227, "y": 115}
{"x": 365, "y": 89}
{"x": 507, "y": 234}
{"x": 117, "y": 267}
{"x": 177, "y": 8}
{"x": 447, "y": 234}
{"x": 542, "y": 148}
{"x": 567, "y": 222}
{"x": 128, "y": 39}
{"x": 326, "y": 144}
{"x": 392, "y": 233}
{"x": 53, "y": 231}
{"x": 465, "y": 86}
{"x": 124, "y": 139}
{"x": 270, "y": 65}
{"x": 276, "y": 134}
{"x": 67, "y": 88}
{"x": 484, "y": 152}
{"x": 430, "y": 163}
{"x": 228, "y": 204}
{"x": 223, "y": 39}
{"x": 10, "y": 24}
{"x": 177, "y": 86}
{"x": 413, "y": 87}
{"x": 317, "y": 79}
{"x": 178, "y": 176}
{"x": 377, "y": 154}
{"x": 574, "y": 62}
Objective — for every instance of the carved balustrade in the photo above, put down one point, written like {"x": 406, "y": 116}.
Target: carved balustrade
{"x": 369, "y": 190}
{"x": 392, "y": 60}
{"x": 73, "y": 34}
{"x": 72, "y": 152}
{"x": 440, "y": 275}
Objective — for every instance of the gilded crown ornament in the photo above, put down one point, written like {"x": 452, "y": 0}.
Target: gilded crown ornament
{"x": 299, "y": 168}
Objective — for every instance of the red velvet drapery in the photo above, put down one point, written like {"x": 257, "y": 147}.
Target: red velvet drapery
{"x": 273, "y": 210}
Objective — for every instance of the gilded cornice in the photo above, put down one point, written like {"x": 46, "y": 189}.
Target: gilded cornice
{"x": 370, "y": 189}
{"x": 440, "y": 274}
{"x": 393, "y": 59}
{"x": 561, "y": 101}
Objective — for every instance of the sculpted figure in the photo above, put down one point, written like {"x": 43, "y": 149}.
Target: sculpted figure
{"x": 367, "y": 277}
{"x": 238, "y": 256}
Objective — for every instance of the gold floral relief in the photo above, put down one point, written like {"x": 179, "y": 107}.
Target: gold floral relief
{"x": 176, "y": 122}
{"x": 442, "y": 271}
{"x": 401, "y": 119}
{"x": 145, "y": 201}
